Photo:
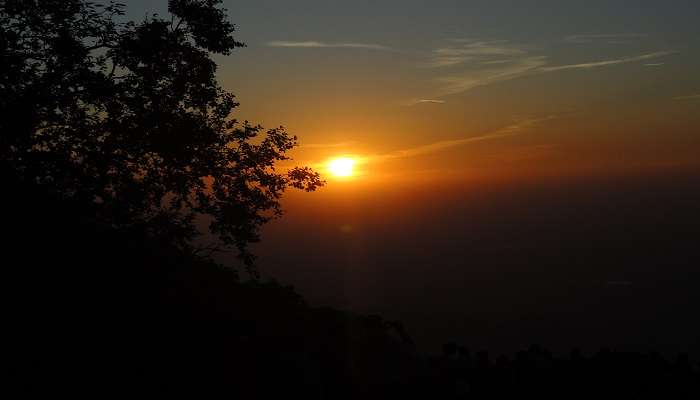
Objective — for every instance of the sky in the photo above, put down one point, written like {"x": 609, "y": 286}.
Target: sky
{"x": 524, "y": 169}
{"x": 471, "y": 89}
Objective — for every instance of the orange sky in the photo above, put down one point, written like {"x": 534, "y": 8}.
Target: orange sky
{"x": 512, "y": 159}
{"x": 471, "y": 89}
{"x": 608, "y": 119}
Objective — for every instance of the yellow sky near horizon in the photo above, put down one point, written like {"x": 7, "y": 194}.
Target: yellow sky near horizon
{"x": 553, "y": 145}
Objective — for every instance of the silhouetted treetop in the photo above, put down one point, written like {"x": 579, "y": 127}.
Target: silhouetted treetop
{"x": 206, "y": 23}
{"x": 129, "y": 119}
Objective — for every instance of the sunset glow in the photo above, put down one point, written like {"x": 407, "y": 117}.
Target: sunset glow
{"x": 341, "y": 167}
{"x": 352, "y": 199}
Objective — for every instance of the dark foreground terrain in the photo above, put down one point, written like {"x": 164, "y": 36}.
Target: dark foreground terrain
{"x": 94, "y": 312}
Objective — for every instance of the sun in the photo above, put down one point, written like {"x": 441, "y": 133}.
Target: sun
{"x": 341, "y": 167}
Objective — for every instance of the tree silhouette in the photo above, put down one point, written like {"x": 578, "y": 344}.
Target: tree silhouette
{"x": 127, "y": 119}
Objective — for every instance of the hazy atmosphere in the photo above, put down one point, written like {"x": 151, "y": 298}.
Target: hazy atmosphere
{"x": 443, "y": 199}
{"x": 515, "y": 163}
{"x": 461, "y": 90}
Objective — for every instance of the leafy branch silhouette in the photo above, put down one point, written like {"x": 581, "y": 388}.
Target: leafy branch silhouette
{"x": 128, "y": 119}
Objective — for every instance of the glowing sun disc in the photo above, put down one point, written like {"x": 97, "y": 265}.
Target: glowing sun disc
{"x": 341, "y": 167}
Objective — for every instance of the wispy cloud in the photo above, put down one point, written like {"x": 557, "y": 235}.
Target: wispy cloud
{"x": 606, "y": 63}
{"x": 689, "y": 97}
{"x": 459, "y": 82}
{"x": 464, "y": 64}
{"x": 430, "y": 101}
{"x": 517, "y": 128}
{"x": 496, "y": 62}
{"x": 461, "y": 51}
{"x": 439, "y": 146}
{"x": 654, "y": 64}
{"x": 510, "y": 130}
{"x": 317, "y": 44}
{"x": 609, "y": 37}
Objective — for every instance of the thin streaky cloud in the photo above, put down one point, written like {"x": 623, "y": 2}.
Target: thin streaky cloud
{"x": 612, "y": 37}
{"x": 467, "y": 50}
{"x": 441, "y": 145}
{"x": 510, "y": 130}
{"x": 606, "y": 63}
{"x": 496, "y": 62}
{"x": 430, "y": 101}
{"x": 317, "y": 44}
{"x": 459, "y": 83}
{"x": 689, "y": 97}
{"x": 654, "y": 64}
{"x": 488, "y": 65}
{"x": 487, "y": 62}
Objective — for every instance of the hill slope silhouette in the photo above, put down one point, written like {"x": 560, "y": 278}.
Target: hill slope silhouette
{"x": 93, "y": 310}
{"x": 114, "y": 137}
